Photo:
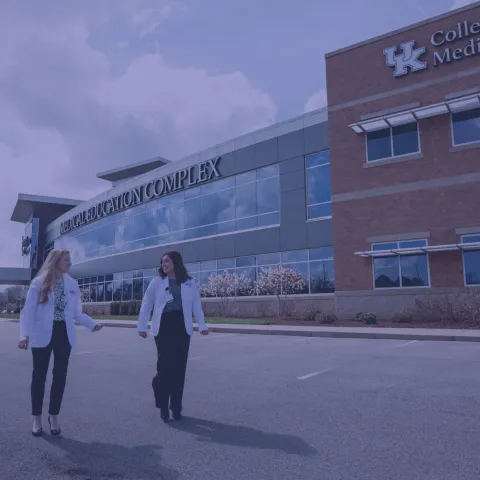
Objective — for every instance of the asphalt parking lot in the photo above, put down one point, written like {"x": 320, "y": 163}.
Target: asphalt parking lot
{"x": 257, "y": 407}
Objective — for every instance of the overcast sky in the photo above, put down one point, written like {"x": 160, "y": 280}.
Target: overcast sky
{"x": 94, "y": 84}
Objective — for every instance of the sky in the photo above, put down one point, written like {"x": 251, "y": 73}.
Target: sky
{"x": 93, "y": 85}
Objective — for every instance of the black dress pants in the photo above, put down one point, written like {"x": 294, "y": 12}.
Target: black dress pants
{"x": 60, "y": 346}
{"x": 173, "y": 344}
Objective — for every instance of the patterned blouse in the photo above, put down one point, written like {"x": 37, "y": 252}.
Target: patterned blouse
{"x": 60, "y": 300}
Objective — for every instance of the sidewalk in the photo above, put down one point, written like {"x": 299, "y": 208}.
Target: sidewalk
{"x": 422, "y": 334}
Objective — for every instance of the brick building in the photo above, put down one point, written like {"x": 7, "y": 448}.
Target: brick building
{"x": 404, "y": 131}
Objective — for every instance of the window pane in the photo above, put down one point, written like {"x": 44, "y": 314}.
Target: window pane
{"x": 193, "y": 267}
{"x": 413, "y": 244}
{"x": 109, "y": 277}
{"x": 246, "y": 200}
{"x": 318, "y": 185}
{"x": 246, "y": 178}
{"x": 466, "y": 127}
{"x": 320, "y": 158}
{"x": 246, "y": 223}
{"x": 386, "y": 272}
{"x": 268, "y": 259}
{"x": 269, "y": 219}
{"x": 268, "y": 196}
{"x": 146, "y": 283}
{"x": 323, "y": 210}
{"x": 295, "y": 282}
{"x": 472, "y": 267}
{"x": 295, "y": 256}
{"x": 246, "y": 281}
{"x": 322, "y": 253}
{"x": 138, "y": 289}
{"x": 471, "y": 239}
{"x": 109, "y": 292}
{"x": 100, "y": 292}
{"x": 226, "y": 205}
{"x": 384, "y": 246}
{"x": 225, "y": 263}
{"x": 379, "y": 145}
{"x": 127, "y": 290}
{"x": 211, "y": 265}
{"x": 117, "y": 291}
{"x": 322, "y": 277}
{"x": 267, "y": 172}
{"x": 245, "y": 261}
{"x": 405, "y": 139}
{"x": 414, "y": 270}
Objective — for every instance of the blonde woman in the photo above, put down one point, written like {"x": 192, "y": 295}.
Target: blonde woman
{"x": 47, "y": 324}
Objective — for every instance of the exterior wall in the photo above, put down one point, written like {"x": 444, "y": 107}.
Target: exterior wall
{"x": 427, "y": 195}
{"x": 294, "y": 232}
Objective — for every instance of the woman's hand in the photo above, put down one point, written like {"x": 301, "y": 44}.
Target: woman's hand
{"x": 97, "y": 327}
{"x": 204, "y": 332}
{"x": 23, "y": 343}
{"x": 143, "y": 334}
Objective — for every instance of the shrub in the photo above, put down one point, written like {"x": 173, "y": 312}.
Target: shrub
{"x": 115, "y": 308}
{"x": 367, "y": 318}
{"x": 124, "y": 308}
{"x": 310, "y": 314}
{"x": 402, "y": 316}
{"x": 325, "y": 318}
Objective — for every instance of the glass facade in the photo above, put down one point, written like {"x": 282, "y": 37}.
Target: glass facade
{"x": 399, "y": 271}
{"x": 466, "y": 127}
{"x": 393, "y": 142}
{"x": 471, "y": 261}
{"x": 247, "y": 201}
{"x": 314, "y": 265}
{"x": 319, "y": 202}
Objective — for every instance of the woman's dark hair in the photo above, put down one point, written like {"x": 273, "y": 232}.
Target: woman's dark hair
{"x": 181, "y": 274}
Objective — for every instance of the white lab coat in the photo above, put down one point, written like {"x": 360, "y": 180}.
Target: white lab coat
{"x": 36, "y": 319}
{"x": 157, "y": 293}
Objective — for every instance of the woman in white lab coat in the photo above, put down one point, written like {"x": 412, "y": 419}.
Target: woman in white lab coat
{"x": 174, "y": 297}
{"x": 47, "y": 324}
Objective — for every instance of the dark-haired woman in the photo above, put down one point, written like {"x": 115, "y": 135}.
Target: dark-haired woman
{"x": 174, "y": 297}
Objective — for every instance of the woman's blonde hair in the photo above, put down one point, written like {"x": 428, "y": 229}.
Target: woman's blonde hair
{"x": 48, "y": 272}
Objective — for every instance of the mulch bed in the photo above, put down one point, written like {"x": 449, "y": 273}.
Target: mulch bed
{"x": 380, "y": 324}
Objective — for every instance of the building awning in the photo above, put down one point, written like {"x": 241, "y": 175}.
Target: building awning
{"x": 455, "y": 105}
{"x": 15, "y": 276}
{"x": 420, "y": 250}
{"x": 133, "y": 170}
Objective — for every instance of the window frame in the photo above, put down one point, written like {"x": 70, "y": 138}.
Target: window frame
{"x": 393, "y": 157}
{"x": 452, "y": 133}
{"x": 465, "y": 284}
{"x": 401, "y": 287}
{"x": 306, "y": 169}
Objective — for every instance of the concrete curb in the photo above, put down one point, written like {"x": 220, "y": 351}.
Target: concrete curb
{"x": 326, "y": 333}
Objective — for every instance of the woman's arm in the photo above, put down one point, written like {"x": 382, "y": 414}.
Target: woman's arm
{"x": 197, "y": 309}
{"x": 28, "y": 311}
{"x": 80, "y": 317}
{"x": 146, "y": 308}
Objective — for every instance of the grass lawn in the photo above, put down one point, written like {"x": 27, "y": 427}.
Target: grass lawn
{"x": 212, "y": 320}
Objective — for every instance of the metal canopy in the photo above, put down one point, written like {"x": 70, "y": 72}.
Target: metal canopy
{"x": 419, "y": 250}
{"x": 460, "y": 104}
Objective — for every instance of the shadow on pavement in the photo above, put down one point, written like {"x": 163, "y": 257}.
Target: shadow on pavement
{"x": 102, "y": 461}
{"x": 238, "y": 436}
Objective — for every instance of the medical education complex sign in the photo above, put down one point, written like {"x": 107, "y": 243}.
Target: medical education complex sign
{"x": 187, "y": 177}
{"x": 413, "y": 59}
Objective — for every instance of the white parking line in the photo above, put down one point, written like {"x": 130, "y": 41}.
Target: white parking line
{"x": 314, "y": 374}
{"x": 91, "y": 351}
{"x": 406, "y": 343}
{"x": 196, "y": 358}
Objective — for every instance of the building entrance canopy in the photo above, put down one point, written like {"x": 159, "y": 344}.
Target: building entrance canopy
{"x": 15, "y": 276}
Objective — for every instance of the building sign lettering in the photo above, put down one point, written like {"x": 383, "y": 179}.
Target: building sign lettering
{"x": 407, "y": 58}
{"x": 159, "y": 187}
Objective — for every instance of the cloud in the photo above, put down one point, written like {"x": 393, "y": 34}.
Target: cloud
{"x": 316, "y": 101}
{"x": 67, "y": 114}
{"x": 147, "y": 21}
{"x": 461, "y": 3}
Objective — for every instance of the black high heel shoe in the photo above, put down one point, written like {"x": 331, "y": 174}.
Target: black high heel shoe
{"x": 56, "y": 431}
{"x": 165, "y": 415}
{"x": 37, "y": 433}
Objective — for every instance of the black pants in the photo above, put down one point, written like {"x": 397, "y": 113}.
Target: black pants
{"x": 60, "y": 346}
{"x": 173, "y": 344}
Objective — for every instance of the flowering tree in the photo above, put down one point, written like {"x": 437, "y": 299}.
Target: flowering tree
{"x": 280, "y": 281}
{"x": 226, "y": 287}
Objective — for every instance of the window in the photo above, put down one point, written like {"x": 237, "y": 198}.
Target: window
{"x": 471, "y": 261}
{"x": 398, "y": 270}
{"x": 315, "y": 266}
{"x": 466, "y": 127}
{"x": 319, "y": 202}
{"x": 246, "y": 201}
{"x": 393, "y": 142}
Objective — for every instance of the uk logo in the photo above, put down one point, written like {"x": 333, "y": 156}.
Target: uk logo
{"x": 406, "y": 61}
